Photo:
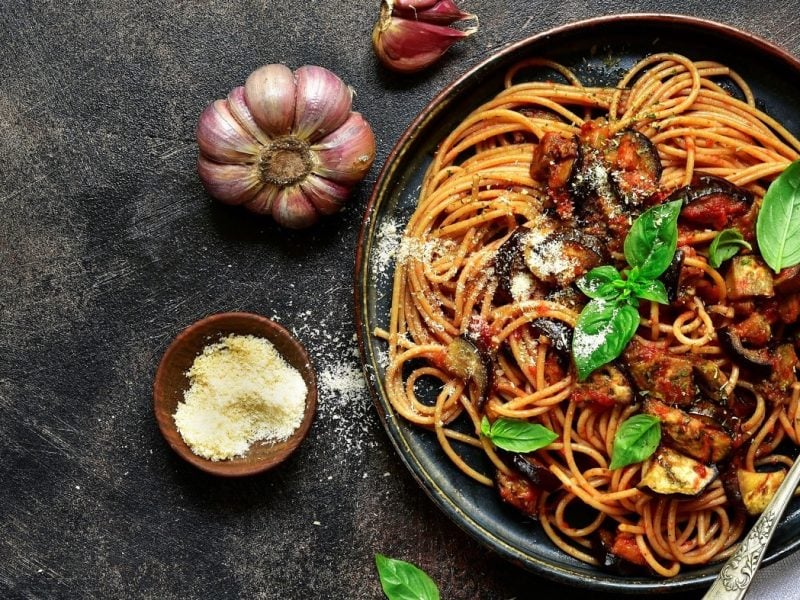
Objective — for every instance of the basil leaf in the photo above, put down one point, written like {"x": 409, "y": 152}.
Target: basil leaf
{"x": 778, "y": 223}
{"x": 403, "y": 581}
{"x": 636, "y": 439}
{"x": 602, "y": 332}
{"x": 517, "y": 436}
{"x": 651, "y": 242}
{"x": 650, "y": 289}
{"x": 725, "y": 246}
{"x": 598, "y": 283}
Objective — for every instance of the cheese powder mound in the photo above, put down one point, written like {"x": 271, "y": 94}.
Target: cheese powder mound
{"x": 241, "y": 391}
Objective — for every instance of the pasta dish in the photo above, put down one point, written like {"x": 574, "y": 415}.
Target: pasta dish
{"x": 584, "y": 293}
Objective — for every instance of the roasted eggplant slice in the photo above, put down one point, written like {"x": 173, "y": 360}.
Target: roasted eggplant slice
{"x": 536, "y": 472}
{"x": 757, "y": 489}
{"x": 672, "y": 276}
{"x": 748, "y": 277}
{"x": 788, "y": 280}
{"x": 755, "y": 330}
{"x": 617, "y": 553}
{"x": 514, "y": 281}
{"x": 558, "y": 332}
{"x": 564, "y": 256}
{"x": 606, "y": 387}
{"x": 659, "y": 374}
{"x": 624, "y": 168}
{"x": 553, "y": 161}
{"x": 711, "y": 380}
{"x": 673, "y": 473}
{"x": 712, "y": 202}
{"x": 516, "y": 490}
{"x": 694, "y": 435}
{"x": 634, "y": 166}
{"x": 732, "y": 344}
{"x": 467, "y": 360}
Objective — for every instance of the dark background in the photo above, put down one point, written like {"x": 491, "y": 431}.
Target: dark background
{"x": 109, "y": 247}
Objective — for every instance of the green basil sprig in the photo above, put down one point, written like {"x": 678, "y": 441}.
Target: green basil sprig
{"x": 778, "y": 223}
{"x": 725, "y": 246}
{"x": 517, "y": 436}
{"x": 636, "y": 439}
{"x": 609, "y": 321}
{"x": 401, "y": 580}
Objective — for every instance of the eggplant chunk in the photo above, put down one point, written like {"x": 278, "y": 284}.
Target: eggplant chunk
{"x": 730, "y": 342}
{"x": 788, "y": 280}
{"x": 710, "y": 379}
{"x": 558, "y": 332}
{"x": 466, "y": 360}
{"x": 624, "y": 168}
{"x": 695, "y": 436}
{"x": 659, "y": 374}
{"x": 634, "y": 166}
{"x": 516, "y": 490}
{"x": 757, "y": 489}
{"x": 563, "y": 257}
{"x": 536, "y": 472}
{"x": 617, "y": 553}
{"x": 755, "y": 330}
{"x": 748, "y": 276}
{"x": 712, "y": 202}
{"x": 553, "y": 160}
{"x": 673, "y": 473}
{"x": 606, "y": 387}
{"x": 514, "y": 281}
{"x": 672, "y": 276}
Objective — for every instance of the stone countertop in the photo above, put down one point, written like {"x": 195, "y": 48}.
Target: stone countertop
{"x": 109, "y": 246}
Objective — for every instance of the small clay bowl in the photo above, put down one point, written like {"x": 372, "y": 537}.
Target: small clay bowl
{"x": 171, "y": 382}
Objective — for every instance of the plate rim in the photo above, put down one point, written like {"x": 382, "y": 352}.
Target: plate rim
{"x": 444, "y": 502}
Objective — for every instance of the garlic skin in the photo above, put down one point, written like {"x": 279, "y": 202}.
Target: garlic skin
{"x": 285, "y": 144}
{"x": 411, "y": 35}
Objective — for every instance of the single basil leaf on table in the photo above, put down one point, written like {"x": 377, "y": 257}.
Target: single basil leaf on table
{"x": 725, "y": 246}
{"x": 517, "y": 436}
{"x": 650, "y": 289}
{"x": 652, "y": 239}
{"x": 636, "y": 439}
{"x": 778, "y": 223}
{"x": 401, "y": 580}
{"x": 601, "y": 333}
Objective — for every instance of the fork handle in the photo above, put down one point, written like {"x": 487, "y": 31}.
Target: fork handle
{"x": 737, "y": 573}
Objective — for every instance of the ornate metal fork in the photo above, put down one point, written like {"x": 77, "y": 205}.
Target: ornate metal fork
{"x": 737, "y": 573}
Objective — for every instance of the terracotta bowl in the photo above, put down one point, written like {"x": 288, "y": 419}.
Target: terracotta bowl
{"x": 171, "y": 382}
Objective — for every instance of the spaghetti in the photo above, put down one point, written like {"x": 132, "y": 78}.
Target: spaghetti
{"x": 453, "y": 279}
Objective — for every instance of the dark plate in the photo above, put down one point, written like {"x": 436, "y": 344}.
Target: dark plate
{"x": 599, "y": 50}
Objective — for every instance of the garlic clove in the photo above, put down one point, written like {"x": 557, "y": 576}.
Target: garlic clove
{"x": 345, "y": 155}
{"x": 238, "y": 108}
{"x": 327, "y": 196}
{"x": 407, "y": 45}
{"x": 229, "y": 183}
{"x": 261, "y": 203}
{"x": 221, "y": 138}
{"x": 442, "y": 12}
{"x": 270, "y": 95}
{"x": 323, "y": 102}
{"x": 411, "y": 4}
{"x": 292, "y": 209}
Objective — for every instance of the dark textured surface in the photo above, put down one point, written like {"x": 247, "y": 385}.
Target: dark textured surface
{"x": 109, "y": 246}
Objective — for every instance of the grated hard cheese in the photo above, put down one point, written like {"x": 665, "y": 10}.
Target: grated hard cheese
{"x": 241, "y": 391}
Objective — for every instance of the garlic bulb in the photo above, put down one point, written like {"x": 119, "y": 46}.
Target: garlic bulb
{"x": 412, "y": 34}
{"x": 285, "y": 144}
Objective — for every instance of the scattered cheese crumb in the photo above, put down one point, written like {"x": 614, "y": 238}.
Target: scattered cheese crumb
{"x": 241, "y": 391}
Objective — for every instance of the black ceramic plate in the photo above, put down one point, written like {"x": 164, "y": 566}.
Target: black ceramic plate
{"x": 598, "y": 50}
